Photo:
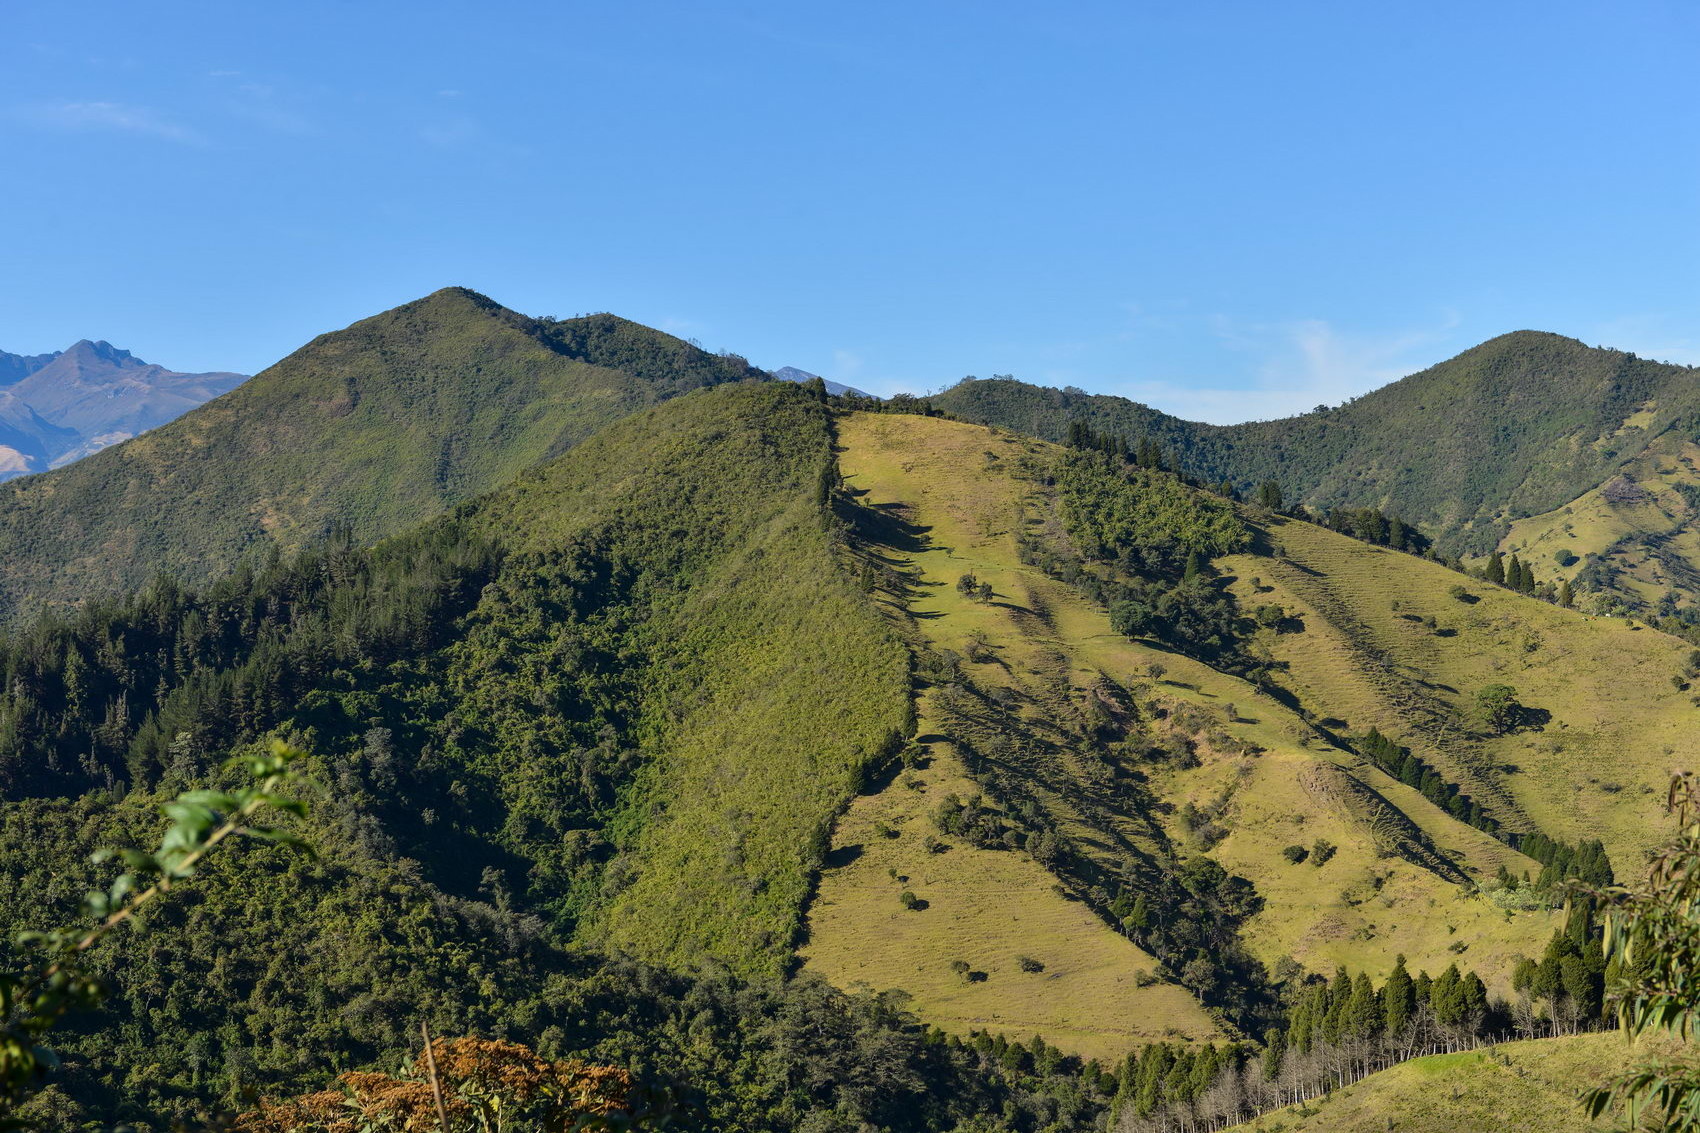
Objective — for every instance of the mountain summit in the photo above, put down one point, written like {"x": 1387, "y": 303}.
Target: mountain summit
{"x": 1518, "y": 425}
{"x": 88, "y": 397}
{"x": 369, "y": 429}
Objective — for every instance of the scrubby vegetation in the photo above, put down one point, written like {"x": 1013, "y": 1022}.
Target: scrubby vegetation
{"x": 1139, "y": 542}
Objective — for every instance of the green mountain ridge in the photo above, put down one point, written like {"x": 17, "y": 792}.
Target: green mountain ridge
{"x": 1516, "y": 426}
{"x": 525, "y": 708}
{"x": 372, "y": 428}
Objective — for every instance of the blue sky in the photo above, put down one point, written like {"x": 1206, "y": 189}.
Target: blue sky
{"x": 1229, "y": 210}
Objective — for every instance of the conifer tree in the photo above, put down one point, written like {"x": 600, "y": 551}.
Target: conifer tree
{"x": 1363, "y": 1011}
{"x": 1333, "y": 1027}
{"x": 1274, "y": 1050}
{"x": 1446, "y": 997}
{"x": 1398, "y": 999}
{"x": 1496, "y": 569}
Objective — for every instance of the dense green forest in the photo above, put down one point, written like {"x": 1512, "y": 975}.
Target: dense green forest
{"x": 519, "y": 712}
{"x": 372, "y": 428}
{"x": 1532, "y": 421}
{"x": 274, "y": 972}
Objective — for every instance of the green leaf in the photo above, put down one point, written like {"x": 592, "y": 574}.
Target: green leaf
{"x": 214, "y": 800}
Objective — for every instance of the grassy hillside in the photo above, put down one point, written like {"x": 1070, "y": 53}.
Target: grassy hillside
{"x": 1097, "y": 993}
{"x": 1531, "y": 421}
{"x": 1067, "y": 728}
{"x": 1517, "y": 1087}
{"x": 373, "y": 429}
{"x": 1632, "y": 541}
{"x": 597, "y": 700}
{"x": 1387, "y": 643}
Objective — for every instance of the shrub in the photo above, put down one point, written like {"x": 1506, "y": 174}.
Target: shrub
{"x": 1028, "y": 964}
{"x": 909, "y": 900}
{"x": 1321, "y": 851}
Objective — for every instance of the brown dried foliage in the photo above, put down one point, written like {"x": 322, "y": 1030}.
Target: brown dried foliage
{"x": 479, "y": 1078}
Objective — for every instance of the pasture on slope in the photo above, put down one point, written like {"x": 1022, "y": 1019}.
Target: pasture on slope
{"x": 966, "y": 491}
{"x": 1516, "y": 1087}
{"x": 1641, "y": 523}
{"x": 1606, "y": 725}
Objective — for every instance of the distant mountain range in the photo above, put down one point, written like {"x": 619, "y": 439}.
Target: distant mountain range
{"x": 838, "y": 389}
{"x": 60, "y": 407}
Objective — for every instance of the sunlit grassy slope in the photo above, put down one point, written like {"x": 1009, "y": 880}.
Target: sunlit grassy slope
{"x": 1641, "y": 522}
{"x": 964, "y": 491}
{"x": 988, "y": 909}
{"x": 984, "y": 907}
{"x": 768, "y": 682}
{"x": 1520, "y": 1087}
{"x": 1608, "y": 726}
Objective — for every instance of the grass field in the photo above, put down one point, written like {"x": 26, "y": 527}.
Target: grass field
{"x": 1518, "y": 1087}
{"x": 984, "y": 907}
{"x": 1595, "y": 522}
{"x": 987, "y": 908}
{"x": 962, "y": 490}
{"x": 1609, "y": 724}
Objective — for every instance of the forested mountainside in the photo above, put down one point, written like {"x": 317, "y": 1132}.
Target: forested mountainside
{"x": 843, "y": 770}
{"x": 1518, "y": 426}
{"x": 594, "y": 706}
{"x": 371, "y": 428}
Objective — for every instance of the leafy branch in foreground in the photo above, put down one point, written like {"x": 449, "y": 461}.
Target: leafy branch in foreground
{"x": 470, "y": 1085}
{"x": 36, "y": 997}
{"x": 1652, "y": 937}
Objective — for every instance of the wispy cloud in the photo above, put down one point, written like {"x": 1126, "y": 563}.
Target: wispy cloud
{"x": 106, "y": 116}
{"x": 1296, "y": 367}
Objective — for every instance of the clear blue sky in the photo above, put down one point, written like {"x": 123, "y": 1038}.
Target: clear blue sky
{"x": 1226, "y": 209}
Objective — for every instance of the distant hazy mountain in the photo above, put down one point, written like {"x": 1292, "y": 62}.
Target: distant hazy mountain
{"x": 60, "y": 407}
{"x": 792, "y": 374}
{"x": 26, "y": 441}
{"x": 14, "y": 367}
